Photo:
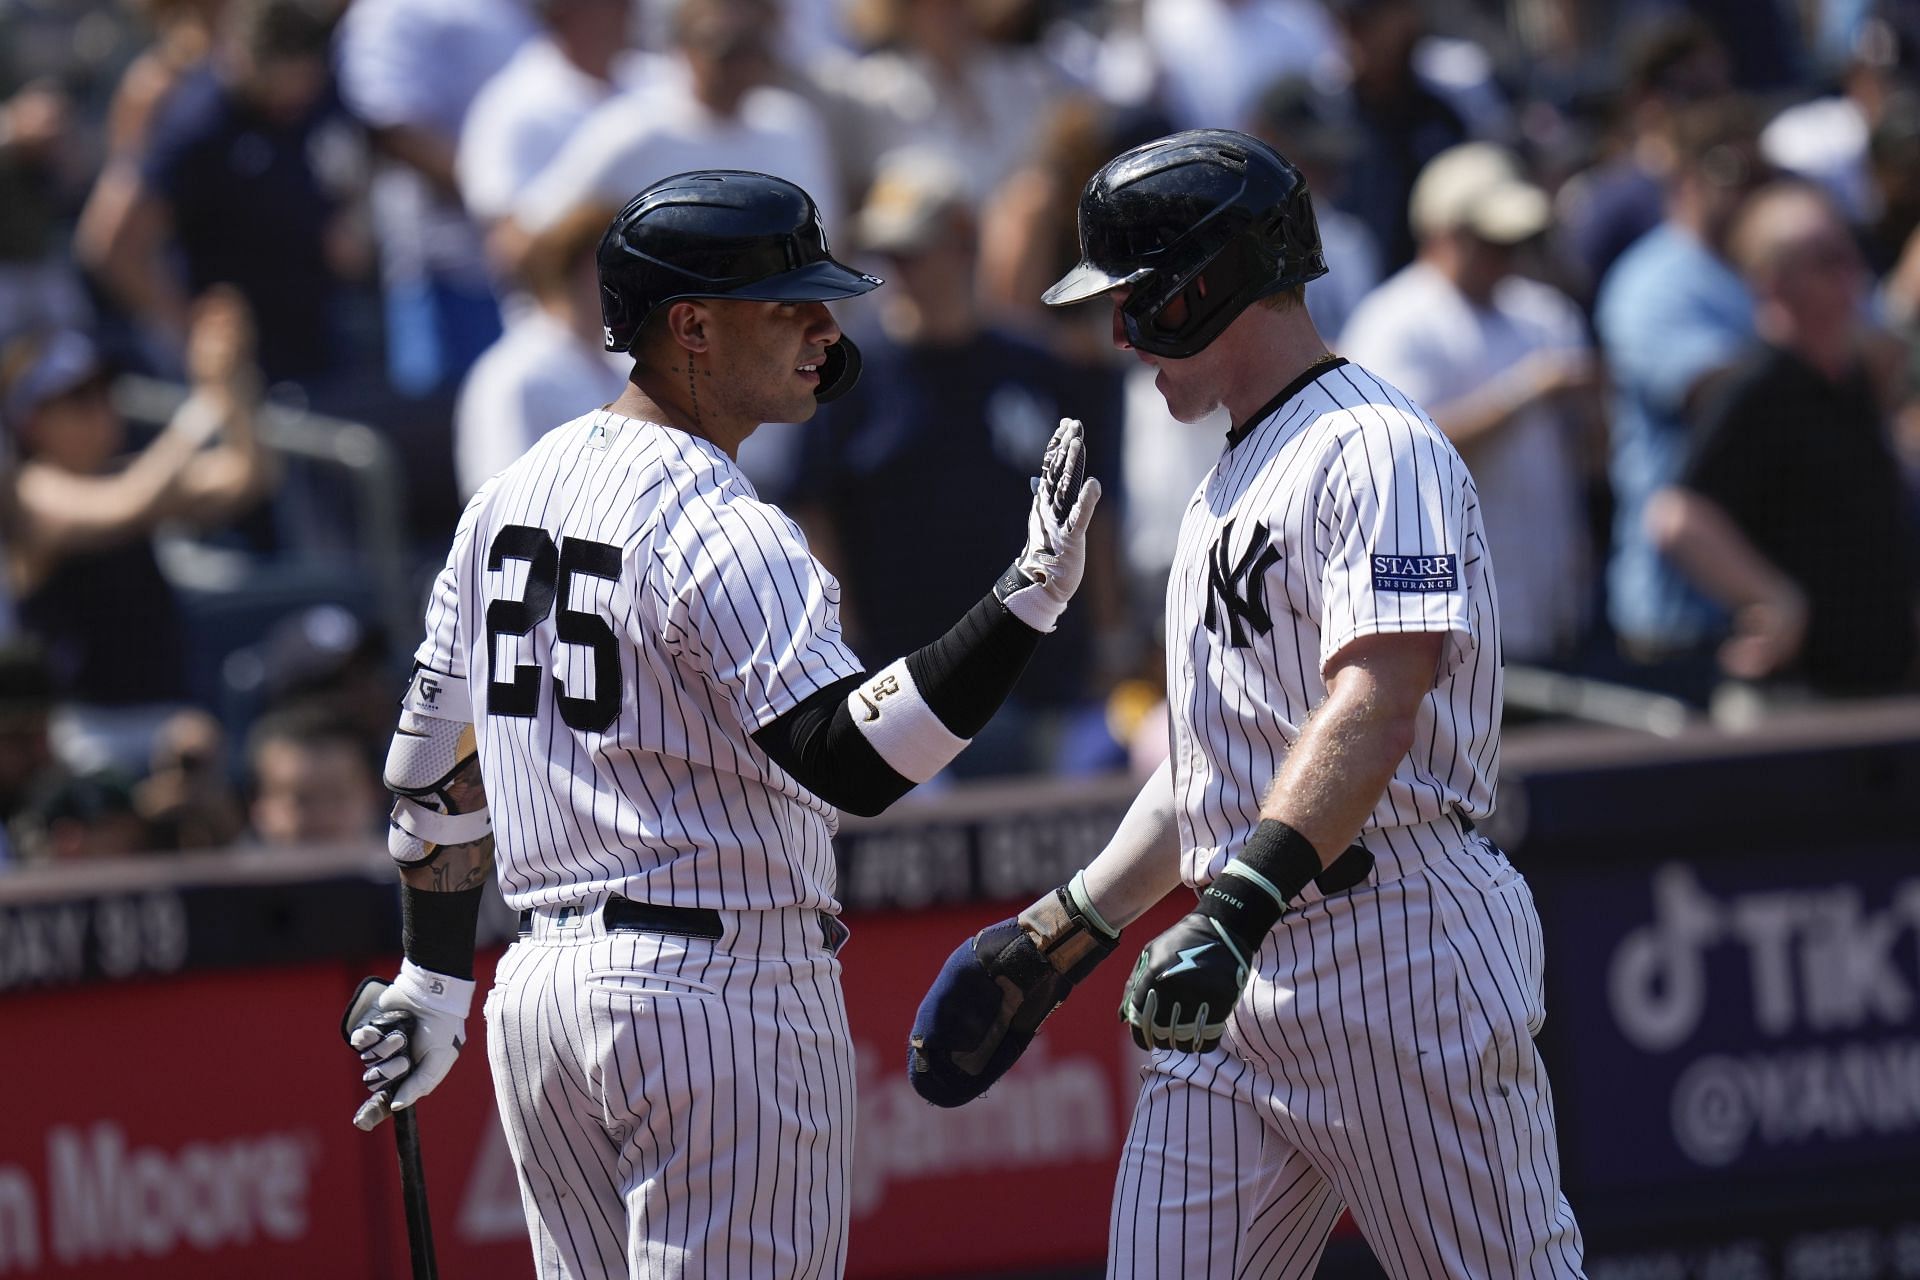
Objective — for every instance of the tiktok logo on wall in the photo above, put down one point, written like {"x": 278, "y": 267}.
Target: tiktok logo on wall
{"x": 1797, "y": 1003}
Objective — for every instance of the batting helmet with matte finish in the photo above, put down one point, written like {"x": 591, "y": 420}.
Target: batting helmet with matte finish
{"x": 1207, "y": 204}
{"x": 723, "y": 233}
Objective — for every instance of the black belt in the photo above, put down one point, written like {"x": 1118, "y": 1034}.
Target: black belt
{"x": 1356, "y": 864}
{"x": 627, "y": 916}
{"x": 1345, "y": 871}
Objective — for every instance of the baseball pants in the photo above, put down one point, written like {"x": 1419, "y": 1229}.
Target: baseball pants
{"x": 1382, "y": 1059}
{"x": 674, "y": 1105}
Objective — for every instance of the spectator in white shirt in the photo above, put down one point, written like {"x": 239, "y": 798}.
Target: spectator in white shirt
{"x": 722, "y": 112}
{"x": 1216, "y": 56}
{"x": 524, "y": 115}
{"x": 549, "y": 367}
{"x": 409, "y": 69}
{"x": 1503, "y": 365}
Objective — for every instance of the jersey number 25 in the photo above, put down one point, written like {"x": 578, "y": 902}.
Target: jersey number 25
{"x": 550, "y": 576}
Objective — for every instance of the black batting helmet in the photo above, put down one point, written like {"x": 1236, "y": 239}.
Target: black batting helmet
{"x": 1206, "y": 203}
{"x": 723, "y": 233}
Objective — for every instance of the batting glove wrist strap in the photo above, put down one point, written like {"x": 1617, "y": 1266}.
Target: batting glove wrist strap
{"x": 1253, "y": 890}
{"x": 1037, "y": 586}
{"x": 433, "y": 992}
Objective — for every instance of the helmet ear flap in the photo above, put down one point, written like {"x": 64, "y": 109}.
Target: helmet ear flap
{"x": 839, "y": 371}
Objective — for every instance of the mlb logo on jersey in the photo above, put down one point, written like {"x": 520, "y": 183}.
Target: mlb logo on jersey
{"x": 1415, "y": 573}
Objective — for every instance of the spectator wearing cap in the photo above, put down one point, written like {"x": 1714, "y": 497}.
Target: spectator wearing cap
{"x": 549, "y": 366}
{"x": 526, "y": 112}
{"x": 312, "y": 781}
{"x": 1503, "y": 365}
{"x": 79, "y": 520}
{"x": 1304, "y": 127}
{"x": 1789, "y": 512}
{"x": 720, "y": 109}
{"x": 73, "y": 817}
{"x": 894, "y": 482}
{"x": 329, "y": 655}
{"x": 1673, "y": 316}
{"x": 228, "y": 193}
{"x": 409, "y": 69}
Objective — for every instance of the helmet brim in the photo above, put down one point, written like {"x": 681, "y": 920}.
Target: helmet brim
{"x": 1085, "y": 281}
{"x": 815, "y": 282}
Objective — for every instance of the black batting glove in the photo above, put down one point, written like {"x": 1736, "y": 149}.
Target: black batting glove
{"x": 1187, "y": 981}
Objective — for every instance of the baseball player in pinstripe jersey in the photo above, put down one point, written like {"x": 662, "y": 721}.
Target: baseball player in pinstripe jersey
{"x": 1346, "y": 1018}
{"x": 634, "y": 696}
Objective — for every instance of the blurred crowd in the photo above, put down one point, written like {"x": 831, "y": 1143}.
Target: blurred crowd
{"x": 1654, "y": 265}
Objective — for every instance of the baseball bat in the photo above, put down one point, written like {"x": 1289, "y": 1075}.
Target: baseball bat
{"x": 406, "y": 1140}
{"x": 413, "y": 1194}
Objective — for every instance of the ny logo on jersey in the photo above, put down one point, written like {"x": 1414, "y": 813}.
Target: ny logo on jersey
{"x": 1237, "y": 589}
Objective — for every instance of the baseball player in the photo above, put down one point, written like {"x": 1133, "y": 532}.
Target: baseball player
{"x": 634, "y": 696}
{"x": 1346, "y": 1017}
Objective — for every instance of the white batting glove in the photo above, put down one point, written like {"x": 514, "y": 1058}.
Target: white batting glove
{"x": 408, "y": 1037}
{"x": 1036, "y": 588}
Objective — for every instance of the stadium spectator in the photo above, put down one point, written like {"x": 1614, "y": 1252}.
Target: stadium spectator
{"x": 187, "y": 800}
{"x": 1673, "y": 315}
{"x": 72, "y": 817}
{"x": 326, "y": 654}
{"x": 1827, "y": 139}
{"x": 895, "y": 481}
{"x": 550, "y": 366}
{"x": 182, "y": 36}
{"x": 1296, "y": 119}
{"x": 934, "y": 84}
{"x": 522, "y": 117}
{"x": 1503, "y": 365}
{"x": 80, "y": 558}
{"x": 1671, "y": 62}
{"x": 1789, "y": 512}
{"x": 720, "y": 110}
{"x": 1402, "y": 122}
{"x": 409, "y": 69}
{"x": 26, "y": 750}
{"x": 1029, "y": 229}
{"x": 1217, "y": 56}
{"x": 236, "y": 135}
{"x": 38, "y": 288}
{"x": 312, "y": 781}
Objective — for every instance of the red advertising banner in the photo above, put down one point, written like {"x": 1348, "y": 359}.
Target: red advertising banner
{"x": 198, "y": 1127}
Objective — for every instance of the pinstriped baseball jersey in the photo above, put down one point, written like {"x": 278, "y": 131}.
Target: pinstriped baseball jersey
{"x": 1340, "y": 512}
{"x": 1381, "y": 1057}
{"x": 626, "y": 613}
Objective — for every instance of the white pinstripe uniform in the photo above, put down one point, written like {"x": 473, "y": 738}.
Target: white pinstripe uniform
{"x": 1382, "y": 1056}
{"x": 626, "y": 613}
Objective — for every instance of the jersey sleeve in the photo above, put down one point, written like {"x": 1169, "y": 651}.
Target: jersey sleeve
{"x": 748, "y": 607}
{"x": 440, "y": 649}
{"x": 1394, "y": 536}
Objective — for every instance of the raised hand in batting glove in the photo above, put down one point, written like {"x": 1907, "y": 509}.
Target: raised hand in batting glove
{"x": 1037, "y": 586}
{"x": 407, "y": 1032}
{"x": 997, "y": 988}
{"x": 1185, "y": 984}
